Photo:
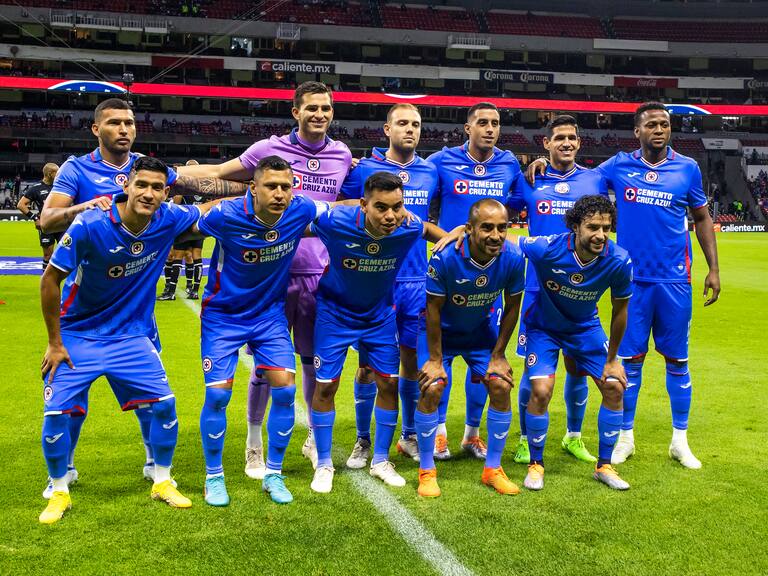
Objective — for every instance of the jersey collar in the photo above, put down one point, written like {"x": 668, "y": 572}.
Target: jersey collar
{"x": 293, "y": 138}
{"x": 97, "y": 157}
{"x": 465, "y": 148}
{"x": 114, "y": 214}
{"x": 572, "y": 248}
{"x": 554, "y": 173}
{"x": 468, "y": 257}
{"x": 360, "y": 223}
{"x": 250, "y": 213}
{"x": 380, "y": 154}
{"x": 638, "y": 155}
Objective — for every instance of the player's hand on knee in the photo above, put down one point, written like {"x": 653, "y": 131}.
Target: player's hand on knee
{"x": 712, "y": 282}
{"x": 614, "y": 370}
{"x": 499, "y": 368}
{"x": 537, "y": 167}
{"x": 431, "y": 372}
{"x": 55, "y": 354}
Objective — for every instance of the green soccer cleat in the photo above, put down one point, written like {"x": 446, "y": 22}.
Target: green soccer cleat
{"x": 576, "y": 447}
{"x": 522, "y": 454}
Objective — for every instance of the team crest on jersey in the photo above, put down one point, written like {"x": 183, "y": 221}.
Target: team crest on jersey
{"x": 458, "y": 299}
{"x": 116, "y": 272}
{"x": 121, "y": 179}
{"x": 298, "y": 180}
{"x": 47, "y": 393}
{"x": 271, "y": 235}
{"x": 479, "y": 170}
{"x": 251, "y": 256}
{"x": 630, "y": 194}
{"x": 522, "y": 340}
{"x": 349, "y": 263}
{"x": 66, "y": 240}
{"x": 544, "y": 206}
{"x": 481, "y": 281}
{"x": 317, "y": 362}
{"x": 207, "y": 364}
{"x": 404, "y": 176}
{"x": 431, "y": 272}
{"x": 562, "y": 188}
{"x": 552, "y": 285}
{"x": 461, "y": 186}
{"x": 137, "y": 248}
{"x": 373, "y": 248}
{"x": 651, "y": 176}
{"x": 577, "y": 278}
{"x": 313, "y": 164}
{"x": 531, "y": 360}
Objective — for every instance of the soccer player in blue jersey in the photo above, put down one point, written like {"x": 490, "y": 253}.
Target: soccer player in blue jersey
{"x": 462, "y": 286}
{"x": 477, "y": 169}
{"x": 98, "y": 325}
{"x": 573, "y": 270}
{"x": 366, "y": 245}
{"x": 546, "y": 202}
{"x": 403, "y": 128}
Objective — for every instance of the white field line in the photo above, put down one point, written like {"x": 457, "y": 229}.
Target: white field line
{"x": 415, "y": 534}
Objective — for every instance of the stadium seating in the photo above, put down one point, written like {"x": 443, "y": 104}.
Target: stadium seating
{"x": 400, "y": 16}
{"x": 528, "y": 24}
{"x": 690, "y": 30}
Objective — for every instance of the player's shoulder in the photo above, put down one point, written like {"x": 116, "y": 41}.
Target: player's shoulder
{"x": 617, "y": 253}
{"x": 682, "y": 159}
{"x": 438, "y": 157}
{"x": 339, "y": 147}
{"x": 511, "y": 250}
{"x": 504, "y": 157}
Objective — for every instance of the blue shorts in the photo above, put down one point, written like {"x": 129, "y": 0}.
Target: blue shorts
{"x": 376, "y": 342}
{"x": 665, "y": 310}
{"x": 522, "y": 336}
{"x": 475, "y": 350}
{"x": 131, "y": 365}
{"x": 410, "y": 300}
{"x": 221, "y": 339}
{"x": 588, "y": 349}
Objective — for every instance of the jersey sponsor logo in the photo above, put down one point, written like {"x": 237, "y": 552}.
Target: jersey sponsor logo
{"x": 552, "y": 285}
{"x": 531, "y": 359}
{"x": 101, "y": 180}
{"x": 462, "y": 280}
{"x": 116, "y": 272}
{"x": 137, "y": 248}
{"x": 461, "y": 186}
{"x": 313, "y": 164}
{"x": 248, "y": 236}
{"x": 116, "y": 249}
{"x": 298, "y": 180}
{"x": 47, "y": 393}
{"x": 431, "y": 272}
{"x": 630, "y": 194}
{"x": 349, "y": 263}
{"x": 352, "y": 245}
{"x": 577, "y": 278}
{"x": 481, "y": 281}
{"x": 543, "y": 187}
{"x": 558, "y": 271}
{"x": 544, "y": 206}
{"x": 458, "y": 299}
{"x": 479, "y": 170}
{"x": 271, "y": 235}
{"x": 562, "y": 188}
{"x": 66, "y": 240}
{"x": 404, "y": 176}
{"x": 462, "y": 167}
{"x": 317, "y": 362}
{"x": 633, "y": 174}
{"x": 250, "y": 256}
{"x": 121, "y": 179}
{"x": 651, "y": 176}
{"x": 522, "y": 340}
{"x": 373, "y": 248}
{"x": 207, "y": 364}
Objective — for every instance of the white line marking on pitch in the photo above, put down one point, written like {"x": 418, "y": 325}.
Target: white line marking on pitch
{"x": 406, "y": 524}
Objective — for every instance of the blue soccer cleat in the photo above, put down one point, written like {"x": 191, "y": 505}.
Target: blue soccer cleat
{"x": 274, "y": 485}
{"x": 216, "y": 491}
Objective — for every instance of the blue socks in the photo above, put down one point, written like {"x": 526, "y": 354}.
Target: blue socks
{"x": 477, "y": 395}
{"x": 144, "y": 415}
{"x": 679, "y": 389}
{"x": 365, "y": 397}
{"x": 426, "y": 430}
{"x": 498, "y": 428}
{"x": 575, "y": 393}
{"x": 75, "y": 424}
{"x": 164, "y": 431}
{"x": 634, "y": 372}
{"x": 322, "y": 429}
{"x": 409, "y": 398}
{"x": 56, "y": 443}
{"x": 386, "y": 422}
{"x": 213, "y": 425}
{"x": 608, "y": 424}
{"x": 280, "y": 426}
{"x": 523, "y": 395}
{"x": 537, "y": 427}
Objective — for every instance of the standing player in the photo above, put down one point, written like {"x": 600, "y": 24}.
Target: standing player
{"x": 574, "y": 269}
{"x": 467, "y": 173}
{"x": 34, "y": 198}
{"x": 98, "y": 326}
{"x": 403, "y": 128}
{"x": 546, "y": 203}
{"x": 367, "y": 245}
{"x": 319, "y": 167}
{"x": 462, "y": 286}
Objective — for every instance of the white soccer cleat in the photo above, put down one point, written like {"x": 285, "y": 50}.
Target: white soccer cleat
{"x": 682, "y": 453}
{"x": 322, "y": 483}
{"x": 408, "y": 446}
{"x": 149, "y": 474}
{"x": 72, "y": 477}
{"x": 360, "y": 454}
{"x": 624, "y": 448}
{"x": 610, "y": 477}
{"x": 254, "y": 463}
{"x": 309, "y": 450}
{"x": 386, "y": 471}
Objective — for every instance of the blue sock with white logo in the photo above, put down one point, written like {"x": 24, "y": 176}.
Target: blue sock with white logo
{"x": 409, "y": 399}
{"x": 144, "y": 415}
{"x": 426, "y": 428}
{"x": 442, "y": 408}
{"x": 634, "y": 372}
{"x": 498, "y": 428}
{"x": 365, "y": 397}
{"x": 74, "y": 424}
{"x": 280, "y": 423}
{"x": 477, "y": 395}
{"x": 213, "y": 427}
{"x": 575, "y": 392}
{"x": 164, "y": 431}
{"x": 386, "y": 422}
{"x": 523, "y": 395}
{"x": 608, "y": 424}
{"x": 322, "y": 430}
{"x": 679, "y": 389}
{"x": 56, "y": 443}
{"x": 537, "y": 427}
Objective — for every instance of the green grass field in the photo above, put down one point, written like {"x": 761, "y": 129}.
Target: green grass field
{"x": 672, "y": 521}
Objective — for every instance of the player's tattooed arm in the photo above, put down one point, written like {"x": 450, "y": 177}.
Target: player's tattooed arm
{"x": 207, "y": 186}
{"x": 50, "y": 298}
{"x": 613, "y": 367}
{"x": 499, "y": 365}
{"x": 58, "y": 212}
{"x": 705, "y": 234}
{"x": 433, "y": 369}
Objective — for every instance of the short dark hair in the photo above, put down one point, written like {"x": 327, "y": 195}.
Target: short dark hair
{"x": 149, "y": 164}
{"x": 310, "y": 87}
{"x": 587, "y": 206}
{"x": 111, "y": 104}
{"x": 270, "y": 163}
{"x": 474, "y": 210}
{"x": 480, "y": 106}
{"x": 561, "y": 120}
{"x": 382, "y": 181}
{"x": 645, "y": 106}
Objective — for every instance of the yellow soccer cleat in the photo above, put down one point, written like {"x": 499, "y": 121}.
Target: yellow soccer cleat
{"x": 59, "y": 503}
{"x": 608, "y": 475}
{"x": 428, "y": 487}
{"x": 496, "y": 479}
{"x": 168, "y": 493}
{"x": 534, "y": 480}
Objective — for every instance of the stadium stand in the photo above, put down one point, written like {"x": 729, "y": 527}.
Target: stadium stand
{"x": 404, "y": 16}
{"x": 690, "y": 30}
{"x": 529, "y": 24}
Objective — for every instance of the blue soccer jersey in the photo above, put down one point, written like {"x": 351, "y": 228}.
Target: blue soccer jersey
{"x": 86, "y": 177}
{"x": 463, "y": 181}
{"x": 111, "y": 294}
{"x": 470, "y": 289}
{"x": 249, "y": 269}
{"x": 569, "y": 290}
{"x": 362, "y": 270}
{"x": 549, "y": 199}
{"x": 419, "y": 186}
{"x": 652, "y": 202}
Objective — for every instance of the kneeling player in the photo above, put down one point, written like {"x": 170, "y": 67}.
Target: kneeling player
{"x": 574, "y": 269}
{"x": 462, "y": 286}
{"x": 99, "y": 325}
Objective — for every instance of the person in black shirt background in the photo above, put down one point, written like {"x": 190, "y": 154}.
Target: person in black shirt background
{"x": 31, "y": 203}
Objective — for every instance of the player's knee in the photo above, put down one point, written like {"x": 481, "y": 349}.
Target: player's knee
{"x": 217, "y": 398}
{"x": 280, "y": 378}
{"x": 387, "y": 386}
{"x": 284, "y": 396}
{"x": 325, "y": 391}
{"x": 364, "y": 375}
{"x": 499, "y": 389}
{"x": 541, "y": 393}
{"x": 164, "y": 409}
{"x": 434, "y": 392}
{"x": 676, "y": 368}
{"x": 612, "y": 391}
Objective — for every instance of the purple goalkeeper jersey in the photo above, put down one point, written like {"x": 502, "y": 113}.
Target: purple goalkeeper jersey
{"x": 318, "y": 173}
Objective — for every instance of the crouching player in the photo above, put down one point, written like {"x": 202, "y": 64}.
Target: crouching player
{"x": 574, "y": 269}
{"x": 462, "y": 286}
{"x": 98, "y": 326}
